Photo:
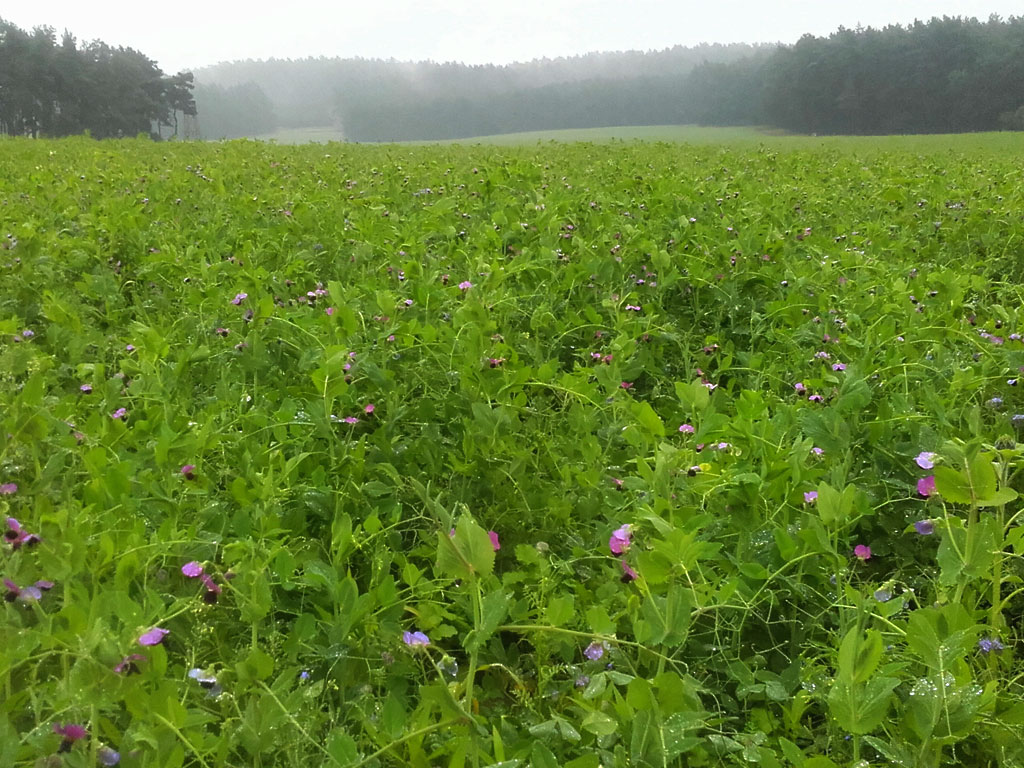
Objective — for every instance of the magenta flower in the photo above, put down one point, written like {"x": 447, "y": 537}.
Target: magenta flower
{"x": 619, "y": 542}
{"x": 351, "y": 420}
{"x": 862, "y": 552}
{"x": 628, "y": 574}
{"x": 8, "y": 489}
{"x": 188, "y": 471}
{"x": 926, "y": 459}
{"x": 329, "y": 311}
{"x": 17, "y": 536}
{"x": 192, "y": 569}
{"x": 810, "y": 497}
{"x": 127, "y": 665}
{"x": 239, "y": 298}
{"x": 415, "y": 639}
{"x": 594, "y": 651}
{"x": 69, "y": 734}
{"x": 493, "y": 536}
{"x": 213, "y": 589}
{"x": 686, "y": 429}
{"x": 926, "y": 486}
{"x": 120, "y": 413}
{"x": 155, "y": 636}
{"x": 369, "y": 408}
{"x": 924, "y": 527}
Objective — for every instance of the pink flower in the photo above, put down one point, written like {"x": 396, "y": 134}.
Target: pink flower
{"x": 127, "y": 665}
{"x": 120, "y": 413}
{"x": 8, "y": 488}
{"x": 686, "y": 429}
{"x": 810, "y": 497}
{"x": 619, "y": 542}
{"x": 628, "y": 574}
{"x": 926, "y": 486}
{"x": 188, "y": 471}
{"x": 862, "y": 552}
{"x": 192, "y": 569}
{"x": 369, "y": 408}
{"x": 71, "y": 733}
{"x": 494, "y": 540}
{"x": 799, "y": 387}
{"x": 155, "y": 636}
{"x": 329, "y": 311}
{"x": 626, "y": 385}
{"x": 465, "y": 285}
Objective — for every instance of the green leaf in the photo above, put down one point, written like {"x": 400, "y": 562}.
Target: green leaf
{"x": 494, "y": 609}
{"x": 649, "y": 420}
{"x": 466, "y": 555}
{"x": 599, "y": 723}
{"x": 858, "y": 708}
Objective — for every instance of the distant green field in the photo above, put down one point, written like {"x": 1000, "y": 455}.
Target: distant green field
{"x": 1000, "y": 142}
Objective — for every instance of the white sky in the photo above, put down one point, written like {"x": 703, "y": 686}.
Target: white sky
{"x": 181, "y": 34}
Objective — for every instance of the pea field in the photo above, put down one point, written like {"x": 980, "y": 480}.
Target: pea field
{"x": 564, "y": 454}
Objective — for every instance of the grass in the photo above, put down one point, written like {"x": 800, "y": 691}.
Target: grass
{"x": 632, "y": 453}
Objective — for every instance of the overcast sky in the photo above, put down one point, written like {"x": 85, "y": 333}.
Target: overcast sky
{"x": 181, "y": 34}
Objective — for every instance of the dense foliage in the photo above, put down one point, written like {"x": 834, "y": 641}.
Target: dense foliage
{"x": 577, "y": 455}
{"x": 944, "y": 75}
{"x": 59, "y": 89}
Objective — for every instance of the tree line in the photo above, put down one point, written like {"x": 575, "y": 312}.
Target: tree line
{"x": 59, "y": 88}
{"x": 948, "y": 74}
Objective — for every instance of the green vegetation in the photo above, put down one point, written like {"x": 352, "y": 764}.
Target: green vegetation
{"x": 619, "y": 454}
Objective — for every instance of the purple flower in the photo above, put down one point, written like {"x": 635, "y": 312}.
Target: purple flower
{"x": 810, "y": 497}
{"x": 686, "y": 429}
{"x": 108, "y": 756}
{"x": 494, "y": 540}
{"x": 85, "y": 389}
{"x": 465, "y": 285}
{"x": 188, "y": 471}
{"x": 816, "y": 399}
{"x": 800, "y": 388}
{"x": 127, "y": 665}
{"x": 213, "y": 589}
{"x": 155, "y": 636}
{"x": 25, "y": 594}
{"x": 594, "y": 651}
{"x": 239, "y": 298}
{"x": 351, "y": 420}
{"x": 129, "y": 348}
{"x": 628, "y": 574}
{"x": 329, "y": 311}
{"x": 17, "y": 536}
{"x": 989, "y": 644}
{"x": 862, "y": 552}
{"x": 924, "y": 527}
{"x": 926, "y": 459}
{"x": 192, "y": 569}
{"x": 28, "y": 334}
{"x": 619, "y": 541}
{"x": 818, "y": 451}
{"x": 8, "y": 488}
{"x": 839, "y": 366}
{"x": 209, "y": 682}
{"x": 120, "y": 413}
{"x": 926, "y": 486}
{"x": 415, "y": 639}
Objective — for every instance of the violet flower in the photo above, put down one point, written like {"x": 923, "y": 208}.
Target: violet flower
{"x": 127, "y": 665}
{"x": 415, "y": 639}
{"x": 8, "y": 489}
{"x": 154, "y": 636}
{"x": 924, "y": 527}
{"x": 619, "y": 541}
{"x": 594, "y": 651}
{"x": 926, "y": 459}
